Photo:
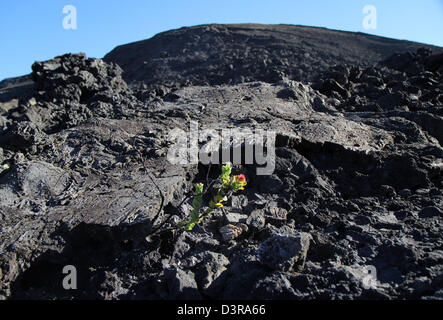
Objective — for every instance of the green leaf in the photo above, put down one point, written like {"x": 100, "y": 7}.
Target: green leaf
{"x": 199, "y": 188}
{"x": 190, "y": 226}
{"x": 197, "y": 203}
{"x": 195, "y": 215}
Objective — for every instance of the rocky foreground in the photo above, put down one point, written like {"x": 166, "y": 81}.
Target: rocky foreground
{"x": 357, "y": 186}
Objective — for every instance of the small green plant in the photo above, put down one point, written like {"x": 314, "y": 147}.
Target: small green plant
{"x": 194, "y": 217}
{"x": 229, "y": 185}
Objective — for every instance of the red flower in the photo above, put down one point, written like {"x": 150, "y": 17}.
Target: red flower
{"x": 241, "y": 178}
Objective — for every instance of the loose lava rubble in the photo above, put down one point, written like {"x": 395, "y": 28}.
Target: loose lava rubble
{"x": 357, "y": 179}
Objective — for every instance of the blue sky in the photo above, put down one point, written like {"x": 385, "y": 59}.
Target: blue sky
{"x": 32, "y": 30}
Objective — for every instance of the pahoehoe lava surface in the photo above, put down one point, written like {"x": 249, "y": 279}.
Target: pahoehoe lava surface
{"x": 357, "y": 181}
